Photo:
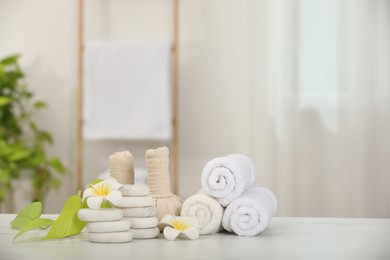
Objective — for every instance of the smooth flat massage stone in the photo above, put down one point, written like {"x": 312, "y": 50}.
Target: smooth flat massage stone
{"x": 109, "y": 226}
{"x": 135, "y": 190}
{"x": 145, "y": 233}
{"x": 149, "y": 222}
{"x": 135, "y": 202}
{"x": 110, "y": 237}
{"x": 140, "y": 212}
{"x": 98, "y": 215}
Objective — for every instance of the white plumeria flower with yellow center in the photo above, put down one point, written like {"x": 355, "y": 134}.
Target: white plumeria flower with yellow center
{"x": 106, "y": 190}
{"x": 179, "y": 226}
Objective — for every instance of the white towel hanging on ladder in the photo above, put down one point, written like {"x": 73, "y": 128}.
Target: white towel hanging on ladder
{"x": 127, "y": 91}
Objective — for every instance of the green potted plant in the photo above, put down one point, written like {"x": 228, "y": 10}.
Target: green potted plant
{"x": 22, "y": 142}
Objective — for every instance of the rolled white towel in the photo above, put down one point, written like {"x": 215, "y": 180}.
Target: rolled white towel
{"x": 226, "y": 178}
{"x": 206, "y": 210}
{"x": 250, "y": 214}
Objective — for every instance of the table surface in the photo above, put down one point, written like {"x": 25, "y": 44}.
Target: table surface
{"x": 285, "y": 238}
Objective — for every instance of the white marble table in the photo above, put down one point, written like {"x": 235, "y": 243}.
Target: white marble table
{"x": 285, "y": 238}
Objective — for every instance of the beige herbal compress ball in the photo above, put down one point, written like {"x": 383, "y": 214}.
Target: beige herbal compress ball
{"x": 157, "y": 163}
{"x": 121, "y": 166}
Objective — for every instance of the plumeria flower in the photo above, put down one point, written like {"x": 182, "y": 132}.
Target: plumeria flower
{"x": 179, "y": 226}
{"x": 106, "y": 190}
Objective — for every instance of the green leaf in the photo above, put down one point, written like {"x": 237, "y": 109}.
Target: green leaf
{"x": 44, "y": 136}
{"x": 37, "y": 157}
{"x": 95, "y": 182}
{"x": 56, "y": 164}
{"x": 40, "y": 104}
{"x": 37, "y": 223}
{"x": 19, "y": 154}
{"x": 2, "y": 193}
{"x": 55, "y": 182}
{"x": 4, "y": 100}
{"x": 67, "y": 223}
{"x": 27, "y": 215}
{"x": 4, "y": 176}
{"x": 106, "y": 204}
{"x": 10, "y": 59}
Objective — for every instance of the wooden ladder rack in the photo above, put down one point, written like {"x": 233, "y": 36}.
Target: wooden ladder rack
{"x": 175, "y": 99}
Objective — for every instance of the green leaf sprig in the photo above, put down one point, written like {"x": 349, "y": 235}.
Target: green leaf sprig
{"x": 67, "y": 224}
{"x": 36, "y": 223}
{"x": 26, "y": 215}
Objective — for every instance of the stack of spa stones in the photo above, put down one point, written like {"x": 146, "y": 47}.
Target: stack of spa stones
{"x": 138, "y": 207}
{"x": 106, "y": 225}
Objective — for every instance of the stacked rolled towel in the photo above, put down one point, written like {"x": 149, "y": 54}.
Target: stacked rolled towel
{"x": 206, "y": 210}
{"x": 106, "y": 225}
{"x": 138, "y": 208}
{"x": 226, "y": 178}
{"x": 250, "y": 214}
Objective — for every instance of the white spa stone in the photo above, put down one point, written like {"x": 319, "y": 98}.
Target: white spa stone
{"x": 145, "y": 233}
{"x": 135, "y": 190}
{"x": 149, "y": 222}
{"x": 96, "y": 215}
{"x": 110, "y": 237}
{"x": 140, "y": 212}
{"x": 133, "y": 202}
{"x": 109, "y": 226}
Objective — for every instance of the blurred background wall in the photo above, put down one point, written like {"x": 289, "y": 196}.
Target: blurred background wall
{"x": 301, "y": 87}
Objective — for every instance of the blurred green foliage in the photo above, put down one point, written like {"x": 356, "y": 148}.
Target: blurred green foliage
{"x": 22, "y": 142}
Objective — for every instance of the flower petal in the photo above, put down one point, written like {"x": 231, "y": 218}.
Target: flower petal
{"x": 115, "y": 197}
{"x": 98, "y": 187}
{"x": 165, "y": 221}
{"x": 94, "y": 202}
{"x": 192, "y": 233}
{"x": 171, "y": 233}
{"x": 89, "y": 192}
{"x": 112, "y": 183}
